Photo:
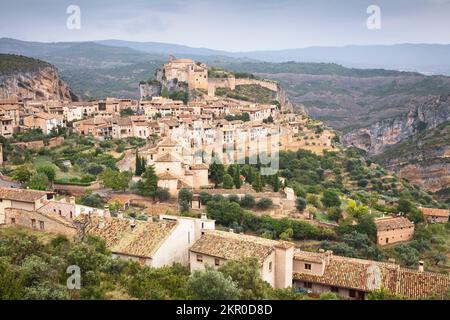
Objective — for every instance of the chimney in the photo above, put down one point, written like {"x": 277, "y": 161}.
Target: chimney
{"x": 231, "y": 230}
{"x": 101, "y": 223}
{"x": 72, "y": 200}
{"x": 133, "y": 225}
{"x": 204, "y": 216}
{"x": 421, "y": 263}
{"x": 328, "y": 255}
{"x": 106, "y": 212}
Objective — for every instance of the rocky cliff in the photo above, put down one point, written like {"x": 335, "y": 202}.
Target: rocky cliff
{"x": 415, "y": 145}
{"x": 20, "y": 78}
{"x": 383, "y": 134}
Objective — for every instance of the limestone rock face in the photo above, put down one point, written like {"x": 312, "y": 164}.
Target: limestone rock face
{"x": 376, "y": 138}
{"x": 42, "y": 84}
{"x": 416, "y": 145}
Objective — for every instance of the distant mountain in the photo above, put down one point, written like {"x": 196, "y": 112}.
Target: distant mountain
{"x": 164, "y": 48}
{"x": 424, "y": 58}
{"x": 92, "y": 70}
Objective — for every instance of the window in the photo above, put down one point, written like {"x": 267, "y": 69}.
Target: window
{"x": 308, "y": 285}
{"x": 41, "y": 225}
{"x": 307, "y": 266}
{"x": 270, "y": 266}
{"x": 33, "y": 223}
{"x": 217, "y": 262}
{"x": 13, "y": 220}
{"x": 60, "y": 213}
{"x": 199, "y": 258}
{"x": 335, "y": 289}
{"x": 71, "y": 215}
{"x": 352, "y": 293}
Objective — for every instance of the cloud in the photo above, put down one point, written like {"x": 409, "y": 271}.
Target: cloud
{"x": 151, "y": 23}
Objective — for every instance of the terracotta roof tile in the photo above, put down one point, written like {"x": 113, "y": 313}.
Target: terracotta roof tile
{"x": 435, "y": 212}
{"x": 232, "y": 246}
{"x": 23, "y": 195}
{"x": 143, "y": 241}
{"x": 390, "y": 223}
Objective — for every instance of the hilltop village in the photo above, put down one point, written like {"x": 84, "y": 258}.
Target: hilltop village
{"x": 210, "y": 167}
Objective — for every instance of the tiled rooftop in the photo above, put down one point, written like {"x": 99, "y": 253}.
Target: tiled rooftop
{"x": 435, "y": 212}
{"x": 143, "y": 241}
{"x": 23, "y": 195}
{"x": 390, "y": 223}
{"x": 232, "y": 246}
{"x": 356, "y": 274}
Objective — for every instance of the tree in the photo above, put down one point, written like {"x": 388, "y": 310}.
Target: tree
{"x": 416, "y": 216}
{"x": 204, "y": 198}
{"x": 184, "y": 199}
{"x": 148, "y": 186}
{"x": 237, "y": 177}
{"x": 224, "y": 212}
{"x": 335, "y": 213}
{"x": 248, "y": 201}
{"x": 404, "y": 205}
{"x": 115, "y": 180}
{"x": 10, "y": 281}
{"x": 216, "y": 173}
{"x": 227, "y": 182}
{"x": 49, "y": 171}
{"x": 22, "y": 174}
{"x": 212, "y": 285}
{"x": 247, "y": 276}
{"x": 91, "y": 200}
{"x": 300, "y": 204}
{"x": 38, "y": 181}
{"x": 331, "y": 198}
{"x": 287, "y": 234}
{"x": 247, "y": 172}
{"x": 162, "y": 194}
{"x": 275, "y": 182}
{"x": 139, "y": 170}
{"x": 356, "y": 209}
{"x": 264, "y": 204}
{"x": 257, "y": 183}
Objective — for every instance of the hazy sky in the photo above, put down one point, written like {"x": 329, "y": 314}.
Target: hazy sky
{"x": 237, "y": 25}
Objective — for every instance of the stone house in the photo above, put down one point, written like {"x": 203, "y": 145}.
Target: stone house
{"x": 393, "y": 229}
{"x": 24, "y": 199}
{"x": 435, "y": 215}
{"x": 318, "y": 272}
{"x": 154, "y": 244}
{"x": 214, "y": 248}
{"x": 45, "y": 121}
{"x": 42, "y": 221}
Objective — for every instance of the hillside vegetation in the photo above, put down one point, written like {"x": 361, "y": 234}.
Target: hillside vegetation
{"x": 10, "y": 64}
{"x": 252, "y": 92}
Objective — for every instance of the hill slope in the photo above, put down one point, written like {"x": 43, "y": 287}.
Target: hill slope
{"x": 23, "y": 77}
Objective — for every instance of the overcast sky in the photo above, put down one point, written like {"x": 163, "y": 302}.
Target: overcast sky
{"x": 235, "y": 25}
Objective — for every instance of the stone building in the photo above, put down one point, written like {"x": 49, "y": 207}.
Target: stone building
{"x": 318, "y": 272}
{"x": 435, "y": 215}
{"x": 393, "y": 230}
{"x": 193, "y": 73}
{"x": 24, "y": 199}
{"x": 214, "y": 248}
{"x": 154, "y": 244}
{"x": 42, "y": 221}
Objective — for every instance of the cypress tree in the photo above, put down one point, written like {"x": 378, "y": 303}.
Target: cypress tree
{"x": 237, "y": 177}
